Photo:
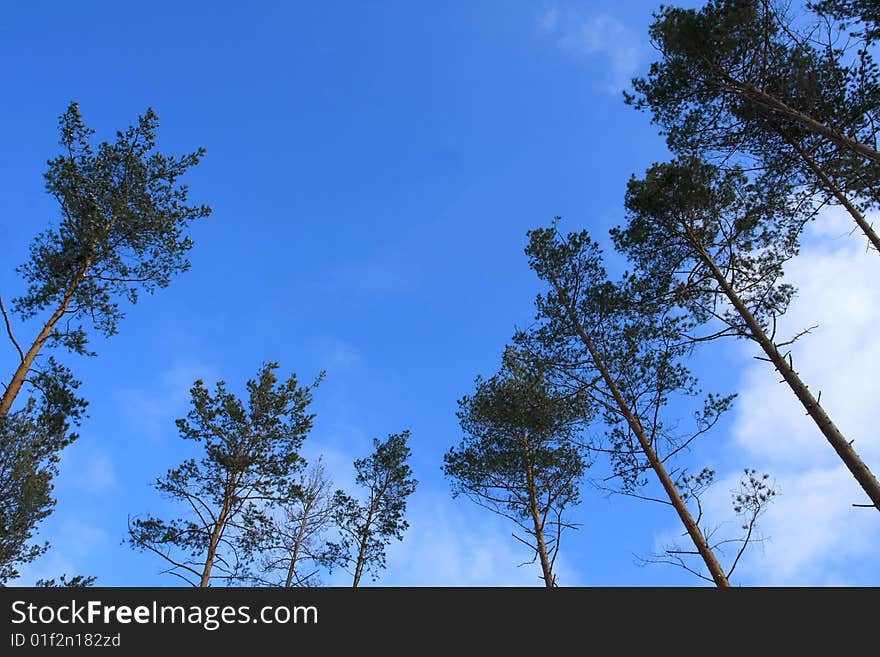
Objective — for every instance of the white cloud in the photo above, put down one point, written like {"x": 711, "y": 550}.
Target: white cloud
{"x": 91, "y": 469}
{"x": 837, "y": 283}
{"x": 151, "y": 410}
{"x": 72, "y": 546}
{"x": 813, "y": 532}
{"x": 448, "y": 544}
{"x": 548, "y": 20}
{"x": 338, "y": 354}
{"x": 598, "y": 36}
{"x": 815, "y": 535}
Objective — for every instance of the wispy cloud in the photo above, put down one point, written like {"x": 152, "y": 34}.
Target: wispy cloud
{"x": 72, "y": 546}
{"x": 549, "y": 19}
{"x": 448, "y": 544}
{"x": 337, "y": 354}
{"x": 599, "y": 37}
{"x": 151, "y": 410}
{"x": 92, "y": 470}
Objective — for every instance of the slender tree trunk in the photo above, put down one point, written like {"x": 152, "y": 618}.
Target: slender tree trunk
{"x": 546, "y": 566}
{"x": 832, "y": 187}
{"x": 362, "y": 549}
{"x": 216, "y": 534}
{"x": 844, "y": 449}
{"x": 209, "y": 559}
{"x": 365, "y": 535}
{"x": 693, "y": 530}
{"x": 776, "y": 106}
{"x": 294, "y": 556}
{"x": 297, "y": 545}
{"x": 24, "y": 367}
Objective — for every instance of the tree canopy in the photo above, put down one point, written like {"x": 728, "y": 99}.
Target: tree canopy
{"x": 250, "y": 452}
{"x": 521, "y": 455}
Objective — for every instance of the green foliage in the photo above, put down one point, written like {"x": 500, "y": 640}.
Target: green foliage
{"x": 712, "y": 55}
{"x": 728, "y": 71}
{"x": 685, "y": 215}
{"x": 123, "y": 217}
{"x": 124, "y": 214}
{"x": 31, "y": 440}
{"x": 367, "y": 527}
{"x": 520, "y": 455}
{"x": 515, "y": 423}
{"x": 623, "y": 345}
{"x": 755, "y": 492}
{"x": 859, "y": 17}
{"x": 589, "y": 327}
{"x": 749, "y": 501}
{"x": 250, "y": 452}
{"x": 75, "y": 582}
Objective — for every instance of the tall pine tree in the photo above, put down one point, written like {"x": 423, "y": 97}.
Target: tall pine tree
{"x": 715, "y": 245}
{"x": 740, "y": 81}
{"x": 619, "y": 346}
{"x": 123, "y": 215}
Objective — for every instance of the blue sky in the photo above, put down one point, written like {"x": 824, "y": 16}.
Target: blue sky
{"x": 373, "y": 168}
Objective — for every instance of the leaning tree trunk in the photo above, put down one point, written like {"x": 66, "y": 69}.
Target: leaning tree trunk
{"x": 365, "y": 535}
{"x": 841, "y": 445}
{"x": 362, "y": 550}
{"x": 27, "y": 360}
{"x": 693, "y": 530}
{"x": 217, "y": 533}
{"x": 778, "y": 108}
{"x": 838, "y": 193}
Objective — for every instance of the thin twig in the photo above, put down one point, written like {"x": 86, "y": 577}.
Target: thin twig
{"x": 9, "y": 331}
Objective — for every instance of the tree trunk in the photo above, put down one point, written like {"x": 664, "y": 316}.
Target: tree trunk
{"x": 700, "y": 542}
{"x": 546, "y": 566}
{"x": 209, "y": 559}
{"x": 773, "y": 104}
{"x": 27, "y": 361}
{"x": 832, "y": 187}
{"x": 297, "y": 545}
{"x": 535, "y": 513}
{"x": 365, "y": 535}
{"x": 216, "y": 534}
{"x": 362, "y": 549}
{"x": 844, "y": 449}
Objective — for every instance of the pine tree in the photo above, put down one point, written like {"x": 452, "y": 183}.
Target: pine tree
{"x": 123, "y": 215}
{"x": 122, "y": 232}
{"x": 520, "y": 456}
{"x": 741, "y": 82}
{"x": 227, "y": 497}
{"x": 716, "y": 245}
{"x": 620, "y": 344}
{"x": 367, "y": 527}
{"x": 31, "y": 441}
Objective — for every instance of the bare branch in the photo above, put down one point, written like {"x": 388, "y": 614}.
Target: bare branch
{"x": 9, "y": 331}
